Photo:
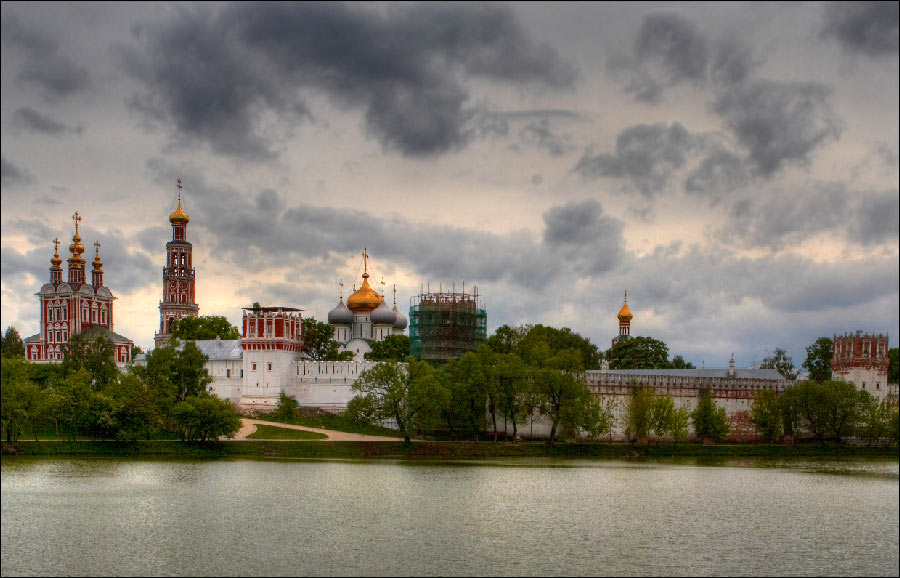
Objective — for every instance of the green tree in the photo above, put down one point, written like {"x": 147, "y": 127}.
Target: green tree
{"x": 556, "y": 341}
{"x": 206, "y": 327}
{"x": 189, "y": 372}
{"x": 319, "y": 343}
{"x": 818, "y": 359}
{"x": 662, "y": 416}
{"x": 19, "y": 400}
{"x": 678, "y": 362}
{"x": 93, "y": 351}
{"x": 780, "y": 361}
{"x": 69, "y": 403}
{"x": 512, "y": 389}
{"x": 710, "y": 421}
{"x": 875, "y": 417}
{"x": 894, "y": 368}
{"x": 137, "y": 413}
{"x": 11, "y": 345}
{"x": 401, "y": 393}
{"x": 638, "y": 353}
{"x": 640, "y": 413}
{"x": 204, "y": 418}
{"x": 681, "y": 419}
{"x": 506, "y": 339}
{"x": 468, "y": 383}
{"x": 391, "y": 348}
{"x": 828, "y": 409}
{"x": 284, "y": 412}
{"x": 766, "y": 415}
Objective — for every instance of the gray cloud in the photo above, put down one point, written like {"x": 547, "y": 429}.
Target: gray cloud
{"x": 43, "y": 65}
{"x": 210, "y": 74}
{"x": 779, "y": 122}
{"x": 541, "y": 134}
{"x": 732, "y": 62}
{"x": 12, "y": 176}
{"x": 776, "y": 219}
{"x": 28, "y": 119}
{"x": 675, "y": 44}
{"x": 877, "y": 218}
{"x": 720, "y": 172}
{"x": 647, "y": 155}
{"x": 868, "y": 28}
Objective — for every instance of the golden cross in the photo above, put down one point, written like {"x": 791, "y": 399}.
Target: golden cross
{"x": 56, "y": 248}
{"x": 395, "y": 294}
{"x": 97, "y": 244}
{"x": 77, "y": 218}
{"x": 342, "y": 288}
{"x": 365, "y": 261}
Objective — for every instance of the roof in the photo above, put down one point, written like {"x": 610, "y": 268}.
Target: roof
{"x": 767, "y": 374}
{"x": 111, "y": 335}
{"x": 218, "y": 349}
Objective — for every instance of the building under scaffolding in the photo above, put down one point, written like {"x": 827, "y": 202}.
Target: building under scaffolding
{"x": 445, "y": 326}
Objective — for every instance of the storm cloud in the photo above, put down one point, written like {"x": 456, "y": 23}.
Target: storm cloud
{"x": 867, "y": 28}
{"x": 209, "y": 75}
{"x": 27, "y": 118}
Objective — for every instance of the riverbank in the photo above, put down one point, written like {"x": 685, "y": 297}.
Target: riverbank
{"x": 423, "y": 450}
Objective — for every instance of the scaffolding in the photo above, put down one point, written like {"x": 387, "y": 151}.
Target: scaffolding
{"x": 445, "y": 325}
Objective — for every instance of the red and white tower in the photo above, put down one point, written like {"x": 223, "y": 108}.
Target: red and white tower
{"x": 271, "y": 342}
{"x": 625, "y": 316}
{"x": 178, "y": 277}
{"x": 862, "y": 358}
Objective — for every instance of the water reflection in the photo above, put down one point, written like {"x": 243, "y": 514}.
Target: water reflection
{"x": 506, "y": 516}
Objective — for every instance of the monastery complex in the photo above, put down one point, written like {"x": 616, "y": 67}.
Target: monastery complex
{"x": 269, "y": 358}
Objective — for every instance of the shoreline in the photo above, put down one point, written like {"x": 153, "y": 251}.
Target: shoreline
{"x": 429, "y": 450}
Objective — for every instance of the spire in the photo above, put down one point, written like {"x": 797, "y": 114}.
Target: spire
{"x": 97, "y": 273}
{"x": 55, "y": 262}
{"x": 342, "y": 289}
{"x": 395, "y": 295}
{"x": 178, "y": 216}
{"x": 365, "y": 263}
{"x": 76, "y": 263}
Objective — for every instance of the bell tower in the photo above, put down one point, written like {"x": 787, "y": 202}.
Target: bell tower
{"x": 178, "y": 299}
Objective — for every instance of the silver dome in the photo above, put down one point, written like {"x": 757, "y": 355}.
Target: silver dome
{"x": 382, "y": 315}
{"x": 340, "y": 315}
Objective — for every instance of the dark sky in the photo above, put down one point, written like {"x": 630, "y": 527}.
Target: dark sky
{"x": 734, "y": 167}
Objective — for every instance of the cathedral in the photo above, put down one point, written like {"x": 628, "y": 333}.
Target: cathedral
{"x": 74, "y": 306}
{"x": 365, "y": 318}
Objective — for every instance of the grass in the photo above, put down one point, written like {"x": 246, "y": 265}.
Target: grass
{"x": 270, "y": 432}
{"x": 335, "y": 422}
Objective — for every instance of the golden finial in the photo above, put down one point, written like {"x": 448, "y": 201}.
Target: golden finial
{"x": 365, "y": 263}
{"x": 342, "y": 288}
{"x": 395, "y": 295}
{"x": 178, "y": 216}
{"x": 77, "y": 219}
{"x": 97, "y": 245}
{"x": 626, "y": 296}
{"x": 56, "y": 261}
{"x": 382, "y": 286}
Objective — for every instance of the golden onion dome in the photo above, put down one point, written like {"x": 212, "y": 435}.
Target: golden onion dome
{"x": 98, "y": 264}
{"x": 179, "y": 217}
{"x": 55, "y": 261}
{"x": 625, "y": 313}
{"x": 365, "y": 299}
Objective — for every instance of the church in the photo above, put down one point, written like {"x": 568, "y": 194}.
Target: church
{"x": 74, "y": 306}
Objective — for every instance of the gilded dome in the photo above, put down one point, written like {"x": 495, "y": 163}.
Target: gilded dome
{"x": 179, "y": 217}
{"x": 340, "y": 315}
{"x": 365, "y": 299}
{"x": 383, "y": 315}
{"x": 98, "y": 264}
{"x": 55, "y": 261}
{"x": 625, "y": 313}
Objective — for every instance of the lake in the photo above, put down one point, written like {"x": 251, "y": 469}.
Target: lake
{"x": 494, "y": 517}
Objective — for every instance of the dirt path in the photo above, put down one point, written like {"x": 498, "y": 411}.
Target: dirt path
{"x": 249, "y": 426}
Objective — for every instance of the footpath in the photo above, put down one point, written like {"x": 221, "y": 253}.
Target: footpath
{"x": 249, "y": 426}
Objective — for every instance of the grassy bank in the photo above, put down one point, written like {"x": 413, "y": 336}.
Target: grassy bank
{"x": 432, "y": 450}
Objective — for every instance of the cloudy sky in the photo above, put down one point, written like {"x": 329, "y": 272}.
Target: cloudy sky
{"x": 733, "y": 167}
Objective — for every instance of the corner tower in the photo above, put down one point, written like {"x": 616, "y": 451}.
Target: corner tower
{"x": 625, "y": 316}
{"x": 178, "y": 299}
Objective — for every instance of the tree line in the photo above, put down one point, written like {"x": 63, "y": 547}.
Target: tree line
{"x": 88, "y": 396}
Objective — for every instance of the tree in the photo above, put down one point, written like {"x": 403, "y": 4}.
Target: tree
{"x": 512, "y": 389}
{"x": 662, "y": 415}
{"x": 681, "y": 419}
{"x": 284, "y": 412}
{"x": 94, "y": 352}
{"x": 468, "y": 383}
{"x": 319, "y": 343}
{"x": 780, "y": 361}
{"x": 401, "y": 393}
{"x": 818, "y": 359}
{"x": 391, "y": 348}
{"x": 766, "y": 415}
{"x": 205, "y": 417}
{"x": 506, "y": 339}
{"x": 557, "y": 341}
{"x": 678, "y": 362}
{"x": 189, "y": 373}
{"x": 19, "y": 399}
{"x": 894, "y": 368}
{"x": 640, "y": 413}
{"x": 12, "y": 345}
{"x": 875, "y": 417}
{"x": 710, "y": 421}
{"x": 206, "y": 327}
{"x": 828, "y": 409}
{"x": 638, "y": 353}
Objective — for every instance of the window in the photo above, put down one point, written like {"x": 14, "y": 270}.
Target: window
{"x": 93, "y": 316}
{"x": 227, "y": 373}
{"x": 270, "y": 366}
{"x": 877, "y": 385}
{"x": 253, "y": 367}
{"x": 242, "y": 372}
